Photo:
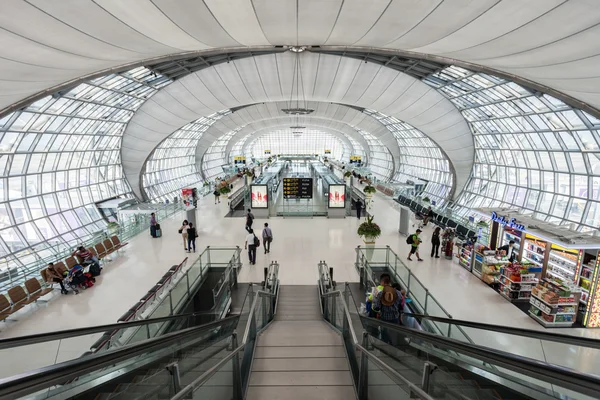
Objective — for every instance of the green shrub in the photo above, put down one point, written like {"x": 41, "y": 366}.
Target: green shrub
{"x": 369, "y": 229}
{"x": 369, "y": 189}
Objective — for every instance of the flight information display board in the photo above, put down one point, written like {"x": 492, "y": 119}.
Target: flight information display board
{"x": 297, "y": 188}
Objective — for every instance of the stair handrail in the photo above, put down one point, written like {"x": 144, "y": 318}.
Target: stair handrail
{"x": 541, "y": 335}
{"x": 71, "y": 333}
{"x": 42, "y": 378}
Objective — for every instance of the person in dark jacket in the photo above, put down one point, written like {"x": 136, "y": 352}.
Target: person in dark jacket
{"x": 510, "y": 249}
{"x": 191, "y": 237}
{"x": 435, "y": 242}
{"x": 359, "y": 208}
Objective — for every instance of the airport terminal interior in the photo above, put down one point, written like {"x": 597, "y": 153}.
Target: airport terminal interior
{"x": 300, "y": 199}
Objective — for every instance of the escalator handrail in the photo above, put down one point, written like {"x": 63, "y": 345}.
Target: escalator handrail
{"x": 70, "y": 333}
{"x": 564, "y": 377}
{"x": 541, "y": 335}
{"x": 42, "y": 378}
{"x": 414, "y": 388}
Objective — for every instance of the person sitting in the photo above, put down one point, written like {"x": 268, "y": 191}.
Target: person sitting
{"x": 53, "y": 276}
{"x": 87, "y": 257}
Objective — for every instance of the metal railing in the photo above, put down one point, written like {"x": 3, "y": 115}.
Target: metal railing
{"x": 422, "y": 300}
{"x": 512, "y": 372}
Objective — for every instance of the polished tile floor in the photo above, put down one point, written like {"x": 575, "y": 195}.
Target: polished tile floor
{"x": 299, "y": 244}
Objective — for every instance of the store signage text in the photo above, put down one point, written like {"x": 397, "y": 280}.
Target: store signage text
{"x": 505, "y": 222}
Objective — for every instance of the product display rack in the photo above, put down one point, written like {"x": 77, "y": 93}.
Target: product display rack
{"x": 465, "y": 254}
{"x": 563, "y": 264}
{"x": 534, "y": 251}
{"x": 553, "y": 305}
{"x": 516, "y": 291}
{"x": 512, "y": 234}
{"x": 585, "y": 280}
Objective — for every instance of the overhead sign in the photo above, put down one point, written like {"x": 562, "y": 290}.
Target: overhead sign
{"x": 355, "y": 160}
{"x": 239, "y": 160}
{"x": 327, "y": 151}
{"x": 267, "y": 152}
{"x": 297, "y": 188}
{"x": 512, "y": 223}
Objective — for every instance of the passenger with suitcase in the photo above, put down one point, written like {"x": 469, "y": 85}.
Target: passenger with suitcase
{"x": 154, "y": 227}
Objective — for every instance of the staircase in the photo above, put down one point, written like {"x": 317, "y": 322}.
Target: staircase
{"x": 299, "y": 356}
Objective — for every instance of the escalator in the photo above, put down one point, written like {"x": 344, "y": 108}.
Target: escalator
{"x": 297, "y": 342}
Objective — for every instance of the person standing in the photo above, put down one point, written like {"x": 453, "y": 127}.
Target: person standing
{"x": 415, "y": 241}
{"x": 217, "y": 196}
{"x": 388, "y": 302}
{"x": 191, "y": 237}
{"x": 153, "y": 224}
{"x": 184, "y": 234}
{"x": 435, "y": 242}
{"x": 510, "y": 250}
{"x": 251, "y": 246}
{"x": 249, "y": 220}
{"x": 267, "y": 235}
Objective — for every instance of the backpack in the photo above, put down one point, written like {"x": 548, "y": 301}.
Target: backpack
{"x": 256, "y": 241}
{"x": 409, "y": 240}
{"x": 95, "y": 269}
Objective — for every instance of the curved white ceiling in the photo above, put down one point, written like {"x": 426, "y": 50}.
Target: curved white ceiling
{"x": 335, "y": 116}
{"x": 45, "y": 43}
{"x": 325, "y": 78}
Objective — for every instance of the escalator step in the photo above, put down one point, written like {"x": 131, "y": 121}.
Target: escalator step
{"x": 301, "y": 393}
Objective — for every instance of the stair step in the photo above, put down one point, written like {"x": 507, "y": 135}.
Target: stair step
{"x": 300, "y": 352}
{"x": 301, "y": 378}
{"x": 301, "y": 392}
{"x": 300, "y": 364}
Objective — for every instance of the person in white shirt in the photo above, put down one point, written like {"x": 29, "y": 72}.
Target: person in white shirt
{"x": 251, "y": 247}
{"x": 267, "y": 235}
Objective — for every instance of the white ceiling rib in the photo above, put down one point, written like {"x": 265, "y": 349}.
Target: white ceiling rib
{"x": 326, "y": 78}
{"x": 45, "y": 43}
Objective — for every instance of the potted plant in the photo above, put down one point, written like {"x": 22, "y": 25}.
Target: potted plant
{"x": 482, "y": 224}
{"x": 206, "y": 184}
{"x": 113, "y": 227}
{"x": 369, "y": 231}
{"x": 225, "y": 191}
{"x": 369, "y": 191}
{"x": 426, "y": 199}
{"x": 325, "y": 159}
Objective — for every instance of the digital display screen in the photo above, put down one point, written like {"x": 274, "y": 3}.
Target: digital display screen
{"x": 259, "y": 196}
{"x": 297, "y": 188}
{"x": 337, "y": 196}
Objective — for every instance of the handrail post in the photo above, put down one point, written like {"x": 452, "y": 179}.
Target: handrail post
{"x": 175, "y": 378}
{"x": 237, "y": 372}
{"x": 426, "y": 298}
{"x": 428, "y": 369}
{"x": 363, "y": 373}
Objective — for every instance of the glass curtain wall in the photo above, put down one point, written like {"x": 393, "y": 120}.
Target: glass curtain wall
{"x": 61, "y": 155}
{"x": 213, "y": 160}
{"x": 172, "y": 165}
{"x": 533, "y": 152}
{"x": 421, "y": 158}
{"x": 380, "y": 160}
{"x": 310, "y": 141}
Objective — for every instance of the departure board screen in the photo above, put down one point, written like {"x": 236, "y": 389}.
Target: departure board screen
{"x": 297, "y": 188}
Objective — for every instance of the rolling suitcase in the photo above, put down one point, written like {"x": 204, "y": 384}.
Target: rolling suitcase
{"x": 158, "y": 233}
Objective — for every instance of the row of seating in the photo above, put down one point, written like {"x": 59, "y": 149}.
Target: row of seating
{"x": 463, "y": 231}
{"x": 33, "y": 290}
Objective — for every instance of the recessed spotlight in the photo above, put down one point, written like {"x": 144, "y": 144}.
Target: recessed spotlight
{"x": 297, "y": 49}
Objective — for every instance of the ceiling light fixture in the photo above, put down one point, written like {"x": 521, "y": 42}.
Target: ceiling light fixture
{"x": 297, "y": 49}
{"x": 298, "y": 111}
{"x": 297, "y": 127}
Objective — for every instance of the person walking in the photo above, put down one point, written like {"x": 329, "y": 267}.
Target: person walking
{"x": 153, "y": 224}
{"x": 435, "y": 242}
{"x": 415, "y": 241}
{"x": 249, "y": 220}
{"x": 184, "y": 234}
{"x": 251, "y": 246}
{"x": 191, "y": 237}
{"x": 217, "y": 196}
{"x": 267, "y": 235}
{"x": 359, "y": 207}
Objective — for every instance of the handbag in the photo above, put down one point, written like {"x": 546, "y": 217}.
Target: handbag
{"x": 180, "y": 231}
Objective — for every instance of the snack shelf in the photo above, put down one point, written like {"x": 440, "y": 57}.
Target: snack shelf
{"x": 513, "y": 299}
{"x": 533, "y": 261}
{"x": 558, "y": 313}
{"x": 566, "y": 324}
{"x": 554, "y": 265}
{"x": 563, "y": 258}
{"x": 553, "y": 305}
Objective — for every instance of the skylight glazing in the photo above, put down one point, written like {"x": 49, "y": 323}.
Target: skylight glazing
{"x": 421, "y": 158}
{"x": 61, "y": 155}
{"x": 533, "y": 152}
{"x": 172, "y": 165}
{"x": 310, "y": 141}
